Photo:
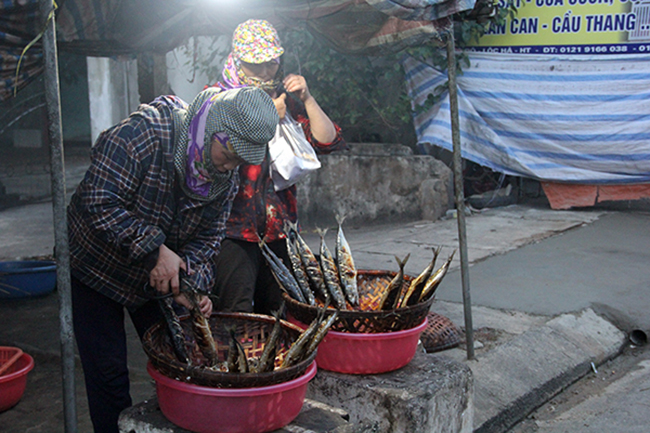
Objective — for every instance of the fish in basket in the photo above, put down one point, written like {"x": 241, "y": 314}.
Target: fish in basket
{"x": 257, "y": 384}
{"x": 249, "y": 349}
{"x": 367, "y": 301}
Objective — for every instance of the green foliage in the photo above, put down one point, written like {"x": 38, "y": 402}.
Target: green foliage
{"x": 364, "y": 95}
{"x": 367, "y": 96}
{"x": 205, "y": 55}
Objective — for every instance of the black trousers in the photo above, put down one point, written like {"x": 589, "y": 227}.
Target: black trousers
{"x": 244, "y": 282}
{"x": 101, "y": 341}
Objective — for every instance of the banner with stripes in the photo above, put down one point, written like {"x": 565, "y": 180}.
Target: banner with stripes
{"x": 583, "y": 119}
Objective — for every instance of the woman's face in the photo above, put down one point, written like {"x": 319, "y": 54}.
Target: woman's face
{"x": 224, "y": 157}
{"x": 264, "y": 71}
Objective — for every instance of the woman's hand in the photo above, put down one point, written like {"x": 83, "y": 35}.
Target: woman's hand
{"x": 297, "y": 85}
{"x": 322, "y": 127}
{"x": 281, "y": 105}
{"x": 205, "y": 303}
{"x": 164, "y": 276}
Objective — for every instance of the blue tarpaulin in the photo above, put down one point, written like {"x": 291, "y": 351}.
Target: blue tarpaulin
{"x": 582, "y": 119}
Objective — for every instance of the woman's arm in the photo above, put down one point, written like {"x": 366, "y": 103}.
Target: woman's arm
{"x": 322, "y": 127}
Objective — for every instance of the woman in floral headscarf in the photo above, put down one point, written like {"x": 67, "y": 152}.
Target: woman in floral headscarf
{"x": 243, "y": 281}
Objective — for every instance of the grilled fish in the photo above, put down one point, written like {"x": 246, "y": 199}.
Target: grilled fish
{"x": 416, "y": 286}
{"x": 201, "y": 330}
{"x": 296, "y": 352}
{"x": 323, "y": 329}
{"x": 299, "y": 271}
{"x": 434, "y": 280}
{"x": 237, "y": 361}
{"x": 282, "y": 275}
{"x": 312, "y": 267}
{"x": 267, "y": 359}
{"x": 393, "y": 291}
{"x": 174, "y": 329}
{"x": 330, "y": 273}
{"x": 345, "y": 266}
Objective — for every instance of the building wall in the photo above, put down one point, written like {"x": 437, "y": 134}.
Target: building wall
{"x": 113, "y": 83}
{"x": 191, "y": 68}
{"x": 112, "y": 91}
{"x": 375, "y": 183}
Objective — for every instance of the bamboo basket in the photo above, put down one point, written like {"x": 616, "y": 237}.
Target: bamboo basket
{"x": 440, "y": 334}
{"x": 252, "y": 331}
{"x": 365, "y": 319}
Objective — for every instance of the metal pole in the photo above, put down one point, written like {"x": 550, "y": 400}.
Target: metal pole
{"x": 62, "y": 251}
{"x": 459, "y": 192}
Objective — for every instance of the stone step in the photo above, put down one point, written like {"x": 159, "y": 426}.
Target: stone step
{"x": 430, "y": 394}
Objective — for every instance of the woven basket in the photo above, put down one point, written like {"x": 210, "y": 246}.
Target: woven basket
{"x": 440, "y": 334}
{"x": 252, "y": 330}
{"x": 366, "y": 319}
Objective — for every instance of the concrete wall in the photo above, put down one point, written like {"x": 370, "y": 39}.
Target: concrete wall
{"x": 113, "y": 83}
{"x": 375, "y": 183}
{"x": 112, "y": 91}
{"x": 188, "y": 76}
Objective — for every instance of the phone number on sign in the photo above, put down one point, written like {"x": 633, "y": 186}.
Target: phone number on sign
{"x": 569, "y": 49}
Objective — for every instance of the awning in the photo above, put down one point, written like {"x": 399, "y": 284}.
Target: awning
{"x": 105, "y": 28}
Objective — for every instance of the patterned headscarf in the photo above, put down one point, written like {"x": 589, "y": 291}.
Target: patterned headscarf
{"x": 247, "y": 118}
{"x": 253, "y": 41}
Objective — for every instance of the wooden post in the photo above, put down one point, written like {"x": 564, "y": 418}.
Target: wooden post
{"x": 62, "y": 254}
{"x": 459, "y": 191}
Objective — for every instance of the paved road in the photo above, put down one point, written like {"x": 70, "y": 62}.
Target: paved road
{"x": 614, "y": 398}
{"x": 603, "y": 264}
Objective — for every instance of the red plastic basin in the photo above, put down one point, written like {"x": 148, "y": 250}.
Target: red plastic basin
{"x": 14, "y": 381}
{"x": 230, "y": 410}
{"x": 358, "y": 353}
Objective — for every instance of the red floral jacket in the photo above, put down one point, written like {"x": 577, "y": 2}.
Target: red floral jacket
{"x": 260, "y": 211}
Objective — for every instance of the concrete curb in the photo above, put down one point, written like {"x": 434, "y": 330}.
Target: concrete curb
{"x": 517, "y": 377}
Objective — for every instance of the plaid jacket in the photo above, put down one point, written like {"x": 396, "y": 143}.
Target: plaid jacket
{"x": 260, "y": 210}
{"x": 129, "y": 204}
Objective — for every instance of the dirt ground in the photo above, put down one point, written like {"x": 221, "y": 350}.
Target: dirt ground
{"x": 41, "y": 408}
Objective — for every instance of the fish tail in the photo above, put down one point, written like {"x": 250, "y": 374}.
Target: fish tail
{"x": 267, "y": 359}
{"x": 402, "y": 263}
{"x": 291, "y": 230}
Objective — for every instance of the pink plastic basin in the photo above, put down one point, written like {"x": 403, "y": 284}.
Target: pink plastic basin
{"x": 358, "y": 353}
{"x": 230, "y": 410}
{"x": 14, "y": 381}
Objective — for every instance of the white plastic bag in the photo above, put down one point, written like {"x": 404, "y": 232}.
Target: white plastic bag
{"x": 292, "y": 157}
